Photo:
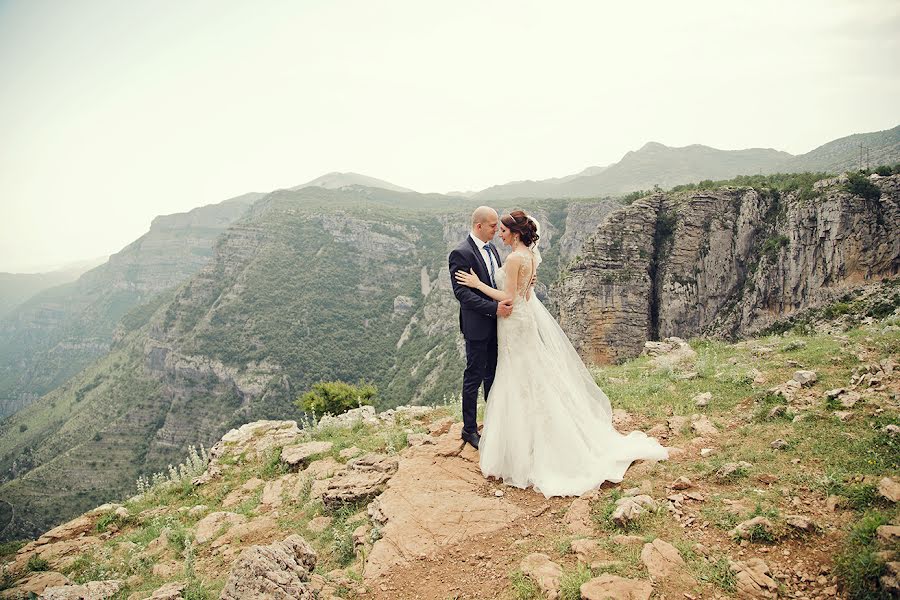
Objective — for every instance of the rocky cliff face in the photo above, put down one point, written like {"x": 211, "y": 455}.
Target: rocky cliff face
{"x": 724, "y": 263}
{"x": 58, "y": 332}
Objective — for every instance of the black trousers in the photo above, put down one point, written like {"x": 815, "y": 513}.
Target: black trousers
{"x": 481, "y": 363}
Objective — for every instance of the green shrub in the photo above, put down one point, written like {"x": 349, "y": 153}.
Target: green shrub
{"x": 859, "y": 185}
{"x": 336, "y": 397}
{"x": 857, "y": 565}
{"x": 36, "y": 563}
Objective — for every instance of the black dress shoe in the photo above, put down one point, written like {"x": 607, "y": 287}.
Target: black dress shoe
{"x": 471, "y": 438}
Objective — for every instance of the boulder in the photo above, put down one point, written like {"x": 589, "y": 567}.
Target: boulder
{"x": 365, "y": 478}
{"x": 747, "y": 529}
{"x": 661, "y": 558}
{"x": 300, "y": 454}
{"x": 702, "y": 426}
{"x": 257, "y": 438}
{"x": 753, "y": 579}
{"x": 92, "y": 590}
{"x": 578, "y": 517}
{"x": 631, "y": 507}
{"x": 278, "y": 571}
{"x": 545, "y": 573}
{"x": 612, "y": 587}
{"x": 889, "y": 488}
{"x": 805, "y": 378}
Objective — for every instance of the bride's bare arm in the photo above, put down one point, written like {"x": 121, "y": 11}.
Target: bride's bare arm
{"x": 511, "y": 267}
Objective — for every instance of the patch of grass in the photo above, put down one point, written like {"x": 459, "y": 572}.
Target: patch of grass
{"x": 9, "y": 549}
{"x": 8, "y": 577}
{"x": 273, "y": 466}
{"x": 571, "y": 581}
{"x": 36, "y": 563}
{"x": 523, "y": 588}
{"x": 857, "y": 566}
{"x": 717, "y": 572}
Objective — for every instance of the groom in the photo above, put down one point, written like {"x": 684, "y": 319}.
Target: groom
{"x": 478, "y": 314}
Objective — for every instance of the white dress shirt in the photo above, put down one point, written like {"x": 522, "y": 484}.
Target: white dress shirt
{"x": 487, "y": 256}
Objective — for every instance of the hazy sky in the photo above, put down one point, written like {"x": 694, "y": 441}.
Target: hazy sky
{"x": 112, "y": 111}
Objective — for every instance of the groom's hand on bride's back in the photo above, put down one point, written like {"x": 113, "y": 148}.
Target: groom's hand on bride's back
{"x": 504, "y": 308}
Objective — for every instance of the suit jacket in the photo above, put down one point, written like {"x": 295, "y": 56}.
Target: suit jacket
{"x": 477, "y": 312}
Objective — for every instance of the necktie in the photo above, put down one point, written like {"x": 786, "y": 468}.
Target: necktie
{"x": 490, "y": 252}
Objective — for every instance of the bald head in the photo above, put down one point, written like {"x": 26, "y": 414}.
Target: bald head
{"x": 484, "y": 223}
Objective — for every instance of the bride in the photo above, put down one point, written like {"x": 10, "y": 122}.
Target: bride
{"x": 546, "y": 422}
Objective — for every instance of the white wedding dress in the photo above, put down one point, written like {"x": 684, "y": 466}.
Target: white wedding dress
{"x": 547, "y": 424}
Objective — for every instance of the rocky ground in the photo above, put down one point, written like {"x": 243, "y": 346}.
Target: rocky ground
{"x": 783, "y": 481}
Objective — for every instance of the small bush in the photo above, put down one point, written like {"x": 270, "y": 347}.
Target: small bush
{"x": 336, "y": 397}
{"x": 36, "y": 563}
{"x": 859, "y": 185}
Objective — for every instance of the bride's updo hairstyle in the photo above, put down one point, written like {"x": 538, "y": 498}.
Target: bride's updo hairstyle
{"x": 518, "y": 222}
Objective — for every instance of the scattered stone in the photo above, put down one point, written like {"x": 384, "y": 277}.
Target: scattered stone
{"x": 843, "y": 415}
{"x": 731, "y": 468}
{"x": 170, "y": 591}
{"x": 889, "y": 488}
{"x": 805, "y": 378}
{"x": 766, "y": 478}
{"x": 891, "y": 429}
{"x": 613, "y": 587}
{"x": 578, "y": 517}
{"x": 779, "y": 444}
{"x": 301, "y": 453}
{"x": 630, "y": 508}
{"x": 703, "y": 426}
{"x": 279, "y": 571}
{"x": 498, "y": 493}
{"x": 786, "y": 390}
{"x": 677, "y": 424}
{"x": 747, "y": 529}
{"x": 753, "y": 578}
{"x": 706, "y": 452}
{"x": 661, "y": 558}
{"x": 92, "y": 590}
{"x": 545, "y": 573}
{"x": 702, "y": 400}
{"x": 682, "y": 483}
{"x": 361, "y": 536}
{"x": 777, "y": 411}
{"x": 800, "y": 522}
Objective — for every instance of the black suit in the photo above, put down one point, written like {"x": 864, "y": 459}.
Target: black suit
{"x": 478, "y": 324}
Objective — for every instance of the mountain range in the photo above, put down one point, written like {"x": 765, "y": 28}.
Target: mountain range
{"x": 227, "y": 313}
{"x": 657, "y": 165}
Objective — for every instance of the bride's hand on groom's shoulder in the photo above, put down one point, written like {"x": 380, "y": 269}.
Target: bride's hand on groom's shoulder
{"x": 469, "y": 279}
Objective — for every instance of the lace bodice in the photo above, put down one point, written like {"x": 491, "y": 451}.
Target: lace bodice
{"x": 525, "y": 273}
